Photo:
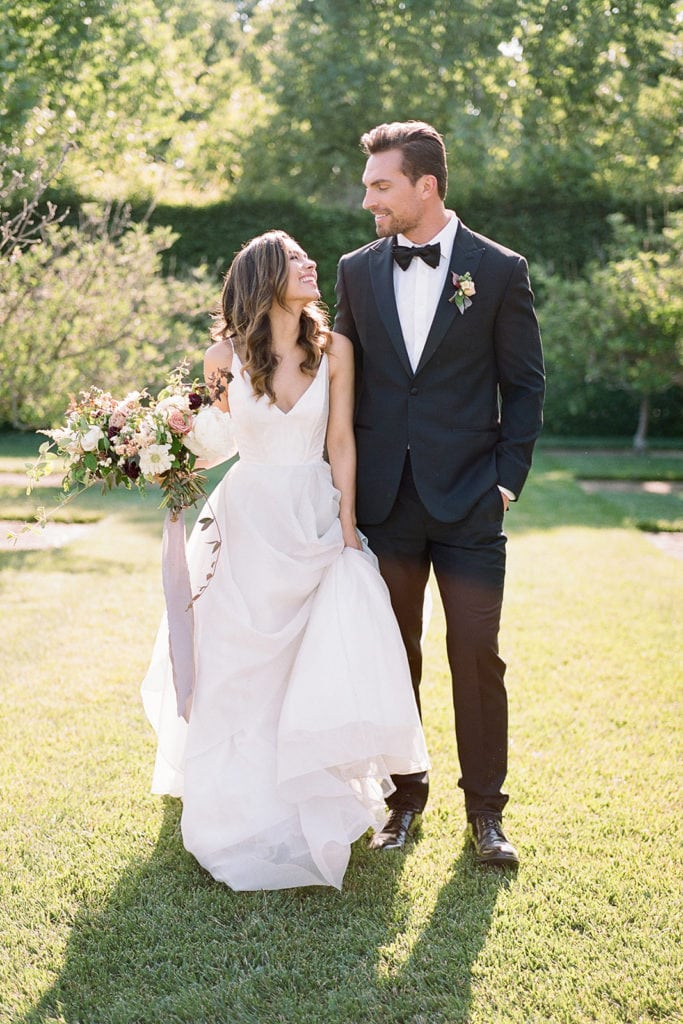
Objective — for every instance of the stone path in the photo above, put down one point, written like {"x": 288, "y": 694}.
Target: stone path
{"x": 670, "y": 543}
{"x": 632, "y": 486}
{"x": 52, "y": 535}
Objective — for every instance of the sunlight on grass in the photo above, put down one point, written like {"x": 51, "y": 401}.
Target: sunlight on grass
{"x": 106, "y": 919}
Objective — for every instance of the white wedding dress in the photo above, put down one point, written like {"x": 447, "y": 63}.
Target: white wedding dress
{"x": 303, "y": 706}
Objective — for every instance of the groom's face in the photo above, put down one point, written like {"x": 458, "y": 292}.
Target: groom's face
{"x": 390, "y": 196}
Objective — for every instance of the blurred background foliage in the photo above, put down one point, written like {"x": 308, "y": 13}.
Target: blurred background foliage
{"x": 194, "y": 125}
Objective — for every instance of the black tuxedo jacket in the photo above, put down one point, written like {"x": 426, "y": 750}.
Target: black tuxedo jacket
{"x": 472, "y": 410}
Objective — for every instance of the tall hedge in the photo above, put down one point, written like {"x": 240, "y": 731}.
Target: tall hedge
{"x": 551, "y": 228}
{"x": 556, "y": 229}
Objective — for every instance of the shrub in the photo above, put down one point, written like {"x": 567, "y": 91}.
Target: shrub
{"x": 87, "y": 304}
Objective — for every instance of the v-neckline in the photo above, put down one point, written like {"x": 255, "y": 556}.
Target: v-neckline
{"x": 303, "y": 393}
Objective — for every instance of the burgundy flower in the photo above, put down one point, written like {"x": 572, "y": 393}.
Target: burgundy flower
{"x": 112, "y": 432}
{"x": 131, "y": 469}
{"x": 195, "y": 401}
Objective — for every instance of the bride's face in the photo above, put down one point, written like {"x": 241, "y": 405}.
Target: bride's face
{"x": 302, "y": 283}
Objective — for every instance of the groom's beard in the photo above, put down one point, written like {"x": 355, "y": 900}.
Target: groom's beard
{"x": 394, "y": 225}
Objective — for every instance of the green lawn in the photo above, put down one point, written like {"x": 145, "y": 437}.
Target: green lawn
{"x": 106, "y": 920}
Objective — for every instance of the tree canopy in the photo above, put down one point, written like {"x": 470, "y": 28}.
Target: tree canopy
{"x": 199, "y": 97}
{"x": 238, "y": 115}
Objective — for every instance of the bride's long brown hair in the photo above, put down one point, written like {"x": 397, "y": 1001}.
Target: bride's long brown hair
{"x": 257, "y": 279}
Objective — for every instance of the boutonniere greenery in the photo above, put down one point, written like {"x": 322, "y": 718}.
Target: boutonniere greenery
{"x": 464, "y": 290}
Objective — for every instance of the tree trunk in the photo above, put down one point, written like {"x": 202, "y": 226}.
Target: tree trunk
{"x": 640, "y": 436}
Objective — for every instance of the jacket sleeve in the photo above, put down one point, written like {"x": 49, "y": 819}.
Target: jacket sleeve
{"x": 344, "y": 322}
{"x": 521, "y": 378}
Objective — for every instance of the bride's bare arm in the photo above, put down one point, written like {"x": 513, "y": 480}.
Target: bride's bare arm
{"x": 217, "y": 361}
{"x": 341, "y": 444}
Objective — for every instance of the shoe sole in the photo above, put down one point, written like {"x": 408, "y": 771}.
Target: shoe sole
{"x": 500, "y": 860}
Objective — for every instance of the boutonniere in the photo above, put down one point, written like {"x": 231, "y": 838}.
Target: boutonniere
{"x": 464, "y": 290}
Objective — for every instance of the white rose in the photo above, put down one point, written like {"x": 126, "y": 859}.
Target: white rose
{"x": 211, "y": 437}
{"x": 167, "y": 405}
{"x": 91, "y": 439}
{"x": 155, "y": 460}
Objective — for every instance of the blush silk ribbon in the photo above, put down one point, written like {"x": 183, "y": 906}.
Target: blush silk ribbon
{"x": 180, "y": 610}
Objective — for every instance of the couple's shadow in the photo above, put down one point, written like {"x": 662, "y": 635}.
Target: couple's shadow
{"x": 170, "y": 945}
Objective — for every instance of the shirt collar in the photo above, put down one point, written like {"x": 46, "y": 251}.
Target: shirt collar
{"x": 445, "y": 237}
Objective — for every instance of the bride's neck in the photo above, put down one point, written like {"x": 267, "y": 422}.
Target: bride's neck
{"x": 285, "y": 327}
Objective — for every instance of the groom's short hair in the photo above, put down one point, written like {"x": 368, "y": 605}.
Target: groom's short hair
{"x": 421, "y": 146}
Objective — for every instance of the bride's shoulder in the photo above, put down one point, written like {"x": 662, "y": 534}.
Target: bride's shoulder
{"x": 219, "y": 351}
{"x": 339, "y": 350}
{"x": 340, "y": 356}
{"x": 338, "y": 345}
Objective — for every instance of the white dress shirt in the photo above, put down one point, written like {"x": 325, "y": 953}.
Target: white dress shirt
{"x": 419, "y": 288}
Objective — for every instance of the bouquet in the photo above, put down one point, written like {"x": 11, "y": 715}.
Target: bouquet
{"x": 139, "y": 440}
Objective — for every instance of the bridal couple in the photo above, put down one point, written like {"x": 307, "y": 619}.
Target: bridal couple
{"x": 394, "y": 443}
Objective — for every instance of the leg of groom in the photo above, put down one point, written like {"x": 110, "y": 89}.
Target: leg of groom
{"x": 469, "y": 564}
{"x": 402, "y": 550}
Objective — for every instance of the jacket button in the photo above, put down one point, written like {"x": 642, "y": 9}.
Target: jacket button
{"x": 414, "y": 391}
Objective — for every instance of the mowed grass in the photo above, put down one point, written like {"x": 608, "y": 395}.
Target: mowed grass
{"x": 106, "y": 920}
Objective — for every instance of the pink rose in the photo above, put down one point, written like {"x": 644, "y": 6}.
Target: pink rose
{"x": 117, "y": 418}
{"x": 179, "y": 422}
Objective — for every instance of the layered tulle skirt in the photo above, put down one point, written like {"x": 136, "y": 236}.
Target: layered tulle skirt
{"x": 303, "y": 706}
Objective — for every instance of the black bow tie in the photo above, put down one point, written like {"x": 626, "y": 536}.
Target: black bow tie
{"x": 403, "y": 254}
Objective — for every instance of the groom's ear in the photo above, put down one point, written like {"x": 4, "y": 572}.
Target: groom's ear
{"x": 427, "y": 186}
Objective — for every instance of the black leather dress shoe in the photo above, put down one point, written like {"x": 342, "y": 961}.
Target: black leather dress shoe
{"x": 395, "y": 832}
{"x": 490, "y": 843}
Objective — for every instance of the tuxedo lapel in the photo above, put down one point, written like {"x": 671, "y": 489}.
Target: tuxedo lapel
{"x": 381, "y": 263}
{"x": 465, "y": 258}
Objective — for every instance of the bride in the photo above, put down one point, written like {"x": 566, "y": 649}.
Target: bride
{"x": 303, "y": 706}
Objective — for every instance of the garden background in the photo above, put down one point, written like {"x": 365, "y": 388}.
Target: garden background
{"x": 142, "y": 144}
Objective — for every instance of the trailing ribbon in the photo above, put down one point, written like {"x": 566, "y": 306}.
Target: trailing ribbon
{"x": 179, "y": 607}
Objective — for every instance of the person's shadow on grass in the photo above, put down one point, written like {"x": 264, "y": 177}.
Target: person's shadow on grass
{"x": 171, "y": 946}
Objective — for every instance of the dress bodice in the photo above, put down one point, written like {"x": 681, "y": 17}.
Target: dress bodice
{"x": 267, "y": 435}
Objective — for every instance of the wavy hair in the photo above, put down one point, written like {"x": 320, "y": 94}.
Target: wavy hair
{"x": 257, "y": 279}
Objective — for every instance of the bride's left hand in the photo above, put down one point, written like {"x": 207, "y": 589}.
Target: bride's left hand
{"x": 351, "y": 538}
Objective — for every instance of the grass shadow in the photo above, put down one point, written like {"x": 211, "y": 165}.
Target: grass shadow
{"x": 170, "y": 944}
{"x": 435, "y": 980}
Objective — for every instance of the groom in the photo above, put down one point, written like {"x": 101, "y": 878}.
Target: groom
{"x": 449, "y": 395}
